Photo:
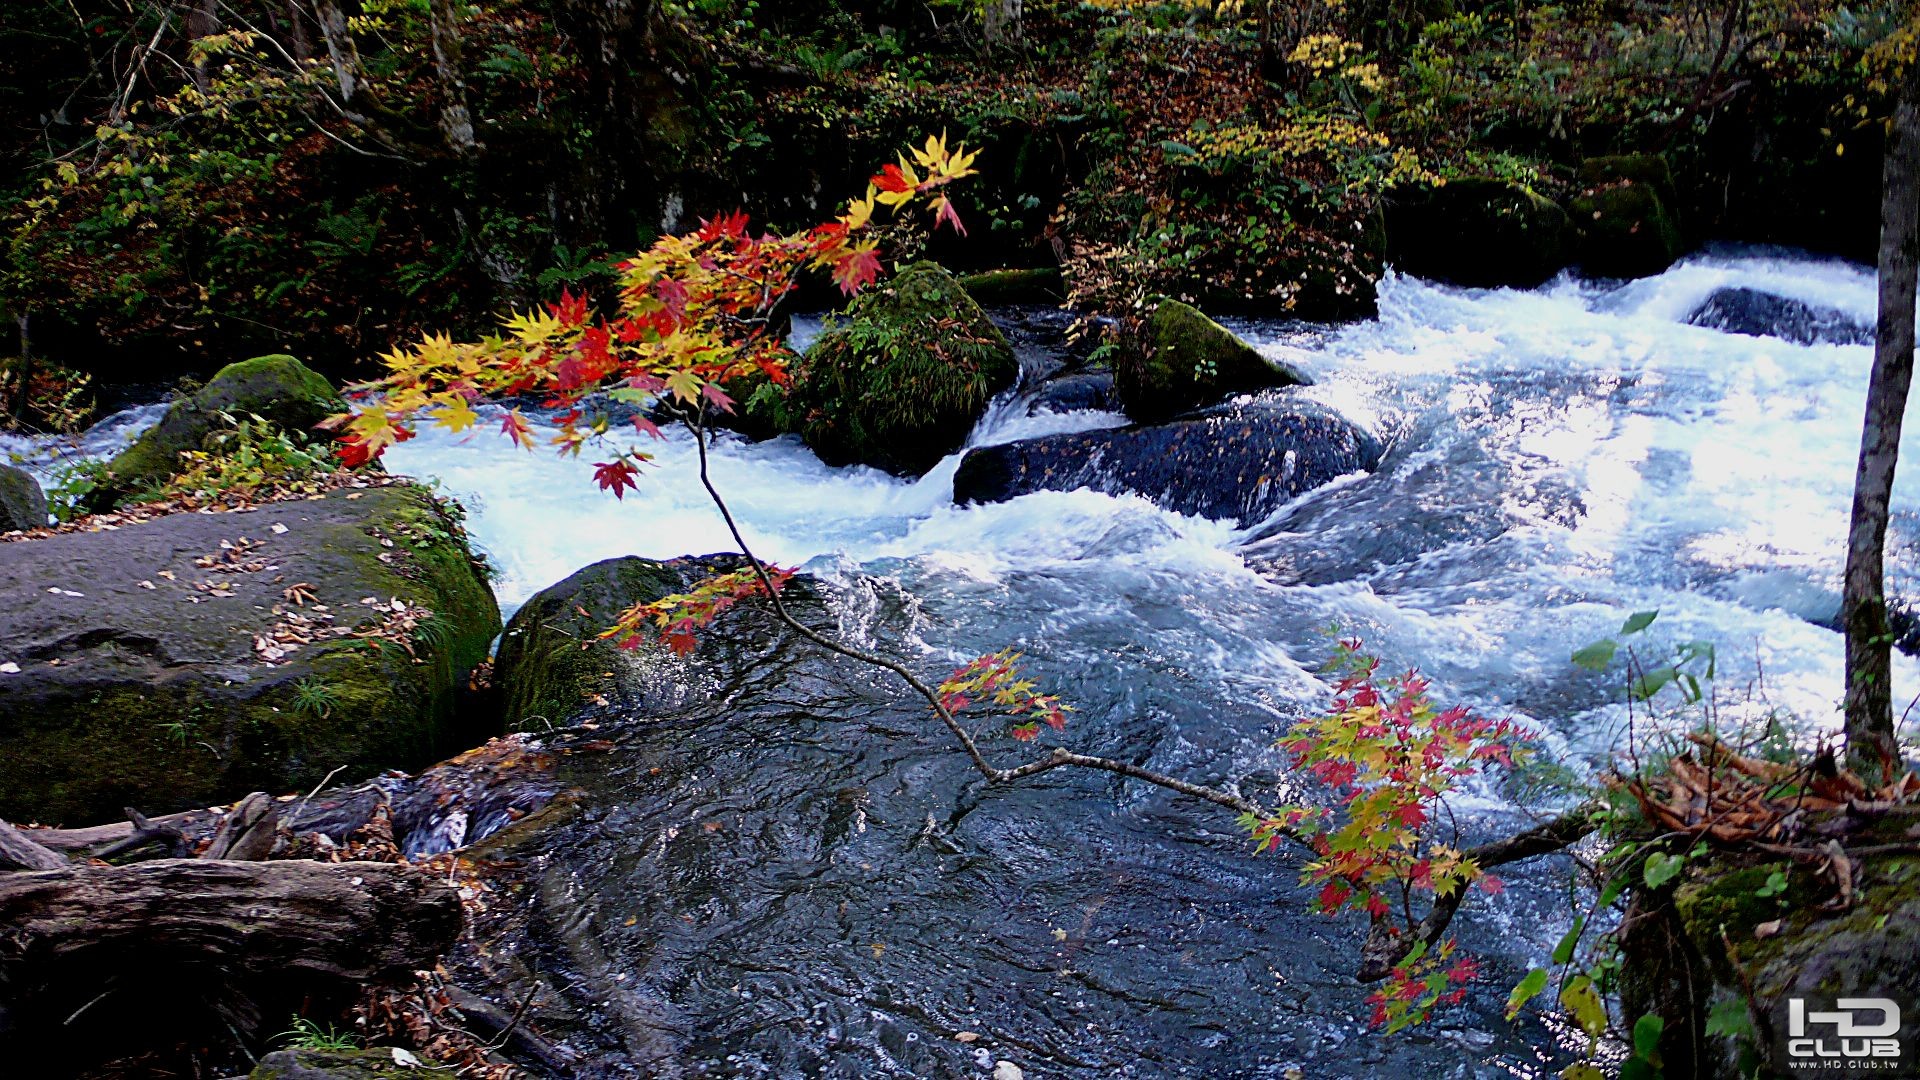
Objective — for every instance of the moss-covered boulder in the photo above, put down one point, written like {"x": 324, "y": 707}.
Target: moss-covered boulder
{"x": 22, "y": 504}
{"x": 900, "y": 382}
{"x": 376, "y": 1063}
{"x": 1186, "y": 360}
{"x": 278, "y": 388}
{"x": 193, "y": 658}
{"x": 1625, "y": 215}
{"x": 1763, "y": 932}
{"x": 1041, "y": 285}
{"x": 1477, "y": 231}
{"x": 552, "y": 665}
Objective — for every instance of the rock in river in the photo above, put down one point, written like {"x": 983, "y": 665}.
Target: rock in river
{"x": 22, "y": 504}
{"x": 1239, "y": 462}
{"x": 1758, "y": 314}
{"x": 161, "y": 664}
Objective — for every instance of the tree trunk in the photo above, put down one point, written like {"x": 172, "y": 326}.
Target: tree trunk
{"x": 202, "y": 21}
{"x": 456, "y": 123}
{"x": 102, "y": 962}
{"x": 1003, "y": 23}
{"x": 1869, "y": 698}
{"x": 342, "y": 53}
{"x": 18, "y": 851}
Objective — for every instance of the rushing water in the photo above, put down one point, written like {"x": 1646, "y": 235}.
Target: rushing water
{"x": 797, "y": 876}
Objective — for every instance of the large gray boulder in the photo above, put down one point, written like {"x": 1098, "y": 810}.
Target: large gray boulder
{"x": 1234, "y": 462}
{"x": 162, "y": 665}
{"x": 22, "y": 504}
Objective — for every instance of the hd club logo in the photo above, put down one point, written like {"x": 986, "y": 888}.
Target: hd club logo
{"x": 1854, "y": 1034}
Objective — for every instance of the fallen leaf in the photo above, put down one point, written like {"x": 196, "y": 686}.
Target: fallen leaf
{"x": 965, "y": 1036}
{"x": 9, "y": 668}
{"x": 1766, "y": 930}
{"x": 406, "y": 1060}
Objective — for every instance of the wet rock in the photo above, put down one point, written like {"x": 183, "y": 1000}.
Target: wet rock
{"x": 552, "y": 665}
{"x": 22, "y": 504}
{"x": 1477, "y": 231}
{"x": 1624, "y": 212}
{"x": 1031, "y": 286}
{"x": 1758, "y": 314}
{"x": 1237, "y": 462}
{"x": 157, "y": 665}
{"x": 278, "y": 388}
{"x": 378, "y": 1063}
{"x": 901, "y": 382}
{"x": 1187, "y": 360}
{"x": 1077, "y": 391}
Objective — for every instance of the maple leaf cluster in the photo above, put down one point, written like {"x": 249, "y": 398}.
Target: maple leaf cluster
{"x": 672, "y": 620}
{"x": 1390, "y": 754}
{"x": 1420, "y": 983}
{"x": 693, "y": 313}
{"x": 994, "y": 681}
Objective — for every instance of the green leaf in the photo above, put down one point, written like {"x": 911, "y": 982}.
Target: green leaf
{"x": 1638, "y": 621}
{"x": 1598, "y": 655}
{"x": 1661, "y": 868}
{"x": 1563, "y": 952}
{"x": 1639, "y": 1068}
{"x": 1614, "y": 888}
{"x": 1646, "y": 1038}
{"x": 1652, "y": 682}
{"x": 1583, "y": 1003}
{"x": 1582, "y": 1071}
{"x": 1528, "y": 989}
{"x": 1178, "y": 149}
{"x": 1729, "y": 1018}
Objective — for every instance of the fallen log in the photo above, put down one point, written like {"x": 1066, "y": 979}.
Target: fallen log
{"x": 102, "y": 960}
{"x": 20, "y": 852}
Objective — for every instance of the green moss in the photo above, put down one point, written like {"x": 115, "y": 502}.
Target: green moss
{"x": 552, "y": 660}
{"x": 22, "y": 504}
{"x": 1627, "y": 227}
{"x": 278, "y": 387}
{"x": 1187, "y": 360}
{"x": 1476, "y": 231}
{"x": 369, "y": 1064}
{"x": 1033, "y": 286}
{"x": 1649, "y": 169}
{"x": 125, "y": 732}
{"x": 901, "y": 382}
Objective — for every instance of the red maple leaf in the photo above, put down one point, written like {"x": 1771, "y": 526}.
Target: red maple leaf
{"x": 890, "y": 178}
{"x": 856, "y": 270}
{"x": 615, "y": 476}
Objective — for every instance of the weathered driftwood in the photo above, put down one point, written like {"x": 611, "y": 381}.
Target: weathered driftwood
{"x": 348, "y": 921}
{"x": 248, "y": 832}
{"x": 452, "y": 803}
{"x": 19, "y": 852}
{"x": 102, "y": 964}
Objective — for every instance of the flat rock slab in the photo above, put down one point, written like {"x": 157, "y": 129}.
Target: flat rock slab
{"x": 159, "y": 664}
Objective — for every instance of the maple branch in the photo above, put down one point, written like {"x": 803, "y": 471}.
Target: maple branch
{"x": 994, "y": 774}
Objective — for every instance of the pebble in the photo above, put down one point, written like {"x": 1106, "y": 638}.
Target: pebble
{"x": 1007, "y": 1070}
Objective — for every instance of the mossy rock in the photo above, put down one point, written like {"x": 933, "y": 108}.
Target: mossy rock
{"x": 1187, "y": 360}
{"x": 1768, "y": 950}
{"x": 901, "y": 381}
{"x": 1649, "y": 169}
{"x": 1043, "y": 285}
{"x": 22, "y": 504}
{"x": 553, "y": 667}
{"x": 375, "y": 1063}
{"x": 140, "y": 679}
{"x": 1625, "y": 217}
{"x": 278, "y": 388}
{"x": 1478, "y": 232}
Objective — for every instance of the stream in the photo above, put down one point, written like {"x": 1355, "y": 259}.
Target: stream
{"x": 794, "y": 875}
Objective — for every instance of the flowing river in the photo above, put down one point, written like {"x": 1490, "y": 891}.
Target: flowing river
{"x": 796, "y": 876}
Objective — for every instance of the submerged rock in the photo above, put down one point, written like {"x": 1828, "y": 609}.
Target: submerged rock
{"x": 1042, "y": 285}
{"x": 1237, "y": 462}
{"x": 160, "y": 665}
{"x": 1758, "y": 314}
{"x": 1187, "y": 360}
{"x": 22, "y": 504}
{"x": 552, "y": 664}
{"x": 900, "y": 383}
{"x": 377, "y": 1063}
{"x": 1625, "y": 214}
{"x": 1076, "y": 391}
{"x": 277, "y": 388}
{"x": 1477, "y": 231}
